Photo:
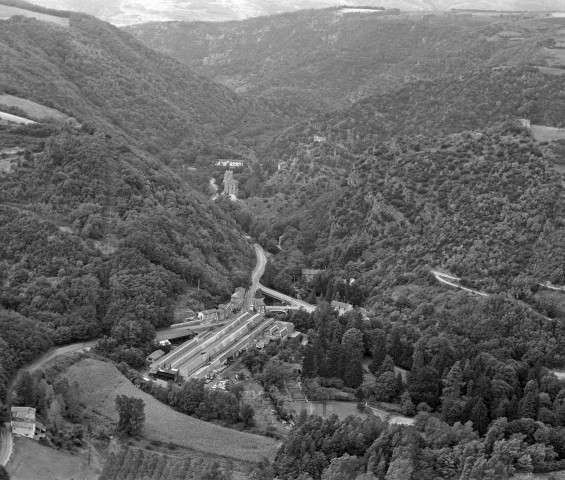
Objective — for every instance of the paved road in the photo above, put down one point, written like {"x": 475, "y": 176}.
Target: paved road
{"x": 443, "y": 277}
{"x": 287, "y": 298}
{"x": 163, "y": 334}
{"x": 256, "y": 275}
{"x": 5, "y": 444}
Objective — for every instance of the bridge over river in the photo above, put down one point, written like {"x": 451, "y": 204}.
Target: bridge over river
{"x": 294, "y": 303}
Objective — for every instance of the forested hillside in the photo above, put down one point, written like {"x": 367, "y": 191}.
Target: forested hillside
{"x": 98, "y": 240}
{"x": 485, "y": 205}
{"x": 328, "y": 59}
{"x": 376, "y": 149}
{"x": 482, "y": 98}
{"x": 106, "y": 79}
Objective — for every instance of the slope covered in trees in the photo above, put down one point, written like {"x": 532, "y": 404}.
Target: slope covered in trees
{"x": 105, "y": 78}
{"x": 98, "y": 240}
{"x": 326, "y": 59}
{"x": 484, "y": 205}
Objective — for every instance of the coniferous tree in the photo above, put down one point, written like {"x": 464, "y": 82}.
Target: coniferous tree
{"x": 378, "y": 349}
{"x": 479, "y": 416}
{"x": 309, "y": 363}
{"x": 527, "y": 406}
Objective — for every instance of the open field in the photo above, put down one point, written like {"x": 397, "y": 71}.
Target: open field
{"x": 555, "y": 57}
{"x": 548, "y": 134}
{"x": 7, "y": 12}
{"x": 33, "y": 461}
{"x": 552, "y": 71}
{"x": 14, "y": 118}
{"x": 100, "y": 383}
{"x": 33, "y": 109}
{"x": 122, "y": 12}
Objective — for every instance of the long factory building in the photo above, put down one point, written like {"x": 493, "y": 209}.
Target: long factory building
{"x": 208, "y": 350}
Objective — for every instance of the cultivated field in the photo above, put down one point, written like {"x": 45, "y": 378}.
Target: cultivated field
{"x": 7, "y": 12}
{"x": 101, "y": 382}
{"x": 33, "y": 461}
{"x": 33, "y": 109}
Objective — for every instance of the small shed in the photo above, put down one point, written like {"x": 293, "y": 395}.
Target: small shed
{"x": 156, "y": 355}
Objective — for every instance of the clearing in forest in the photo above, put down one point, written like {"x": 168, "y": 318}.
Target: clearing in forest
{"x": 547, "y": 134}
{"x": 33, "y": 109}
{"x": 100, "y": 383}
{"x": 7, "y": 12}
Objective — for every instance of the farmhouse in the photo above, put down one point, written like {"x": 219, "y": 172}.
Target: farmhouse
{"x": 23, "y": 423}
{"x": 230, "y": 183}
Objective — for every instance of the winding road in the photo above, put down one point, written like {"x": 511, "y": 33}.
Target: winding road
{"x": 447, "y": 279}
{"x": 258, "y": 272}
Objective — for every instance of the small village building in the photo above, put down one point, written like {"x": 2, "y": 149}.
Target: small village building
{"x": 229, "y": 163}
{"x": 308, "y": 274}
{"x": 237, "y": 299}
{"x": 209, "y": 316}
{"x": 156, "y": 355}
{"x": 259, "y": 305}
{"x": 23, "y": 421}
{"x": 230, "y": 183}
{"x": 223, "y": 311}
{"x": 280, "y": 330}
{"x": 340, "y": 307}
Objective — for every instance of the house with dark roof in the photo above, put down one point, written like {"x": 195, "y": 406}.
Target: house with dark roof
{"x": 156, "y": 355}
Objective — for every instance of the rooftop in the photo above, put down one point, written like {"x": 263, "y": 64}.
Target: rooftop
{"x": 156, "y": 355}
{"x": 23, "y": 414}
{"x": 340, "y": 305}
